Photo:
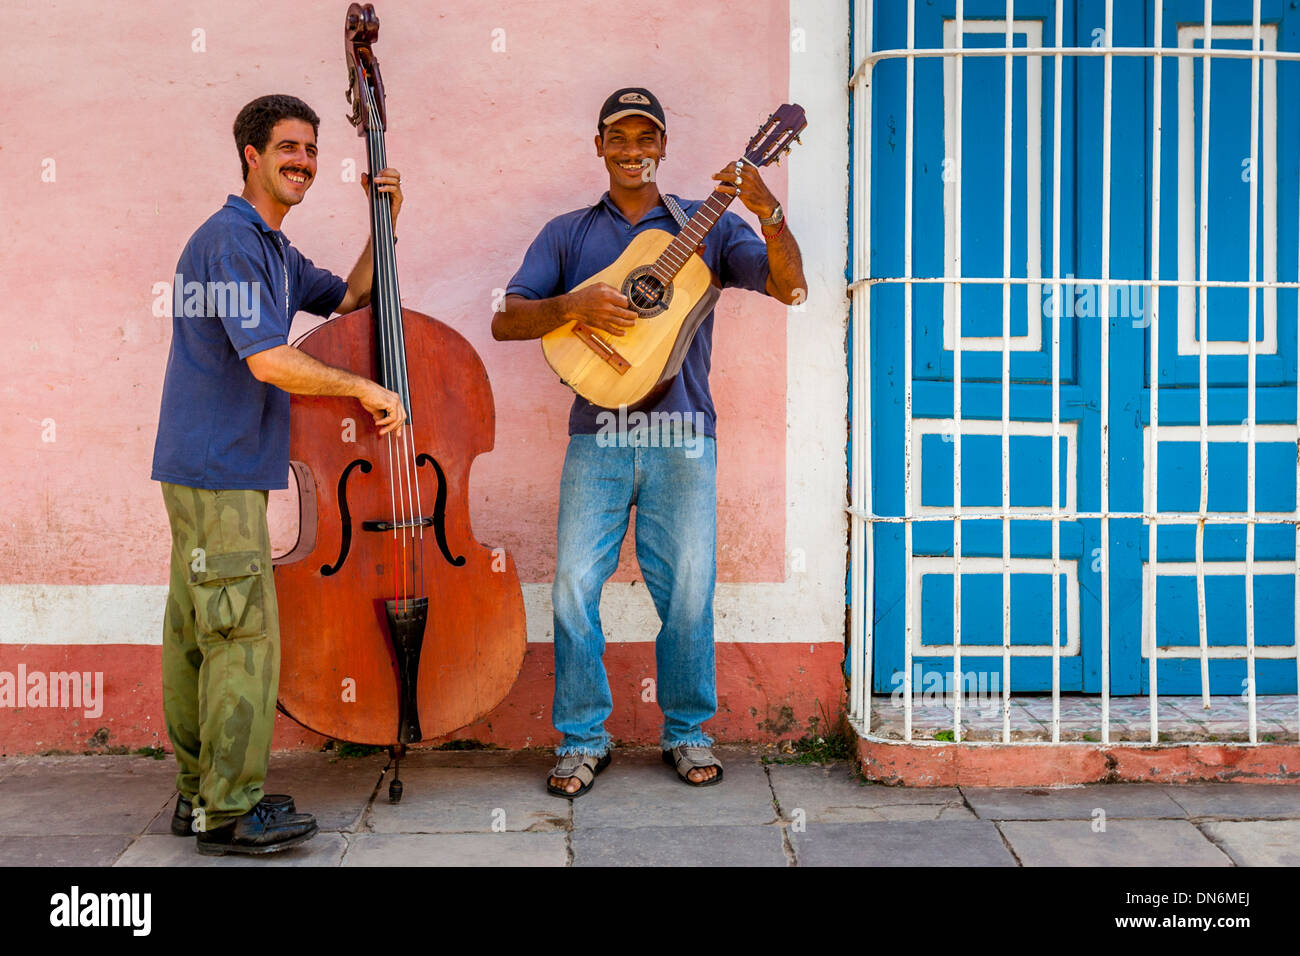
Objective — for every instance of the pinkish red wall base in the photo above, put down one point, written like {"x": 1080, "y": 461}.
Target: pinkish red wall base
{"x": 1048, "y": 765}
{"x": 766, "y": 693}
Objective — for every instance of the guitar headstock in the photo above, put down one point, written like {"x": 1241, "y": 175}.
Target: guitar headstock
{"x": 777, "y": 135}
{"x": 365, "y": 85}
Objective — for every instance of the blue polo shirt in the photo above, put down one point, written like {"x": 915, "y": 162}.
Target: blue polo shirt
{"x": 219, "y": 427}
{"x": 579, "y": 244}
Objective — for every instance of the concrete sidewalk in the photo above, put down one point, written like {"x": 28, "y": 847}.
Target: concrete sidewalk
{"x": 491, "y": 808}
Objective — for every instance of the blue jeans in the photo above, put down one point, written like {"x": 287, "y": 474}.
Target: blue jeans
{"x": 674, "y": 490}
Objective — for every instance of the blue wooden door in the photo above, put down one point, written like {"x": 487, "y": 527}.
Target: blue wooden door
{"x": 1227, "y": 319}
{"x": 1033, "y": 310}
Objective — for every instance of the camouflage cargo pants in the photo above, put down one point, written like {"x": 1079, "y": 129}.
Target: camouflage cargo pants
{"x": 221, "y": 649}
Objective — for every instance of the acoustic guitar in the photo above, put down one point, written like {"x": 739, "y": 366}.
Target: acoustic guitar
{"x": 669, "y": 287}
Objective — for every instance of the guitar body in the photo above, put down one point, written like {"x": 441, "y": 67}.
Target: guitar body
{"x": 652, "y": 349}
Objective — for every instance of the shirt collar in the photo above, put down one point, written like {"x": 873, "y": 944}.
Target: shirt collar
{"x": 655, "y": 213}
{"x": 245, "y": 208}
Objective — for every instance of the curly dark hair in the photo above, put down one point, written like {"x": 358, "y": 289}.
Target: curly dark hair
{"x": 255, "y": 121}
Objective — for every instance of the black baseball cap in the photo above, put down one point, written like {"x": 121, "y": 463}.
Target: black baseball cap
{"x": 631, "y": 101}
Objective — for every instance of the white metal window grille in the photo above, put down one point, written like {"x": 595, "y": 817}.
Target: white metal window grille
{"x": 1193, "y": 284}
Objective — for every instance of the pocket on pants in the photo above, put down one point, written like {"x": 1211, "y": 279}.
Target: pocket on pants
{"x": 227, "y": 596}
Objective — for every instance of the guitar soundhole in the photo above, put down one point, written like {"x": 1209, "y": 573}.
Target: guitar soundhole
{"x": 647, "y": 294}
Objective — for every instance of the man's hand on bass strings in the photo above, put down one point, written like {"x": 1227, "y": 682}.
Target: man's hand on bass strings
{"x": 385, "y": 406}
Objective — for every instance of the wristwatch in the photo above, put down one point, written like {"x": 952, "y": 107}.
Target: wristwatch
{"x": 778, "y": 215}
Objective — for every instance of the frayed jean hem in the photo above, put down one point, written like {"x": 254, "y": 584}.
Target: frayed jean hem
{"x": 583, "y": 751}
{"x": 703, "y": 740}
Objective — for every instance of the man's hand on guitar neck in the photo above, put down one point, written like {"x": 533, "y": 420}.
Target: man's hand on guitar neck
{"x": 785, "y": 281}
{"x": 598, "y": 306}
{"x": 742, "y": 180}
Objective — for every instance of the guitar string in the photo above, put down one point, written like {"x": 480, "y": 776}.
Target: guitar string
{"x": 678, "y": 248}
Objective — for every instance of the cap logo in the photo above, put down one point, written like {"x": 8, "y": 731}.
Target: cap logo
{"x": 634, "y": 98}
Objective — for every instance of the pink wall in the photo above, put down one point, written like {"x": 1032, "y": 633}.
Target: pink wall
{"x": 135, "y": 124}
{"x": 491, "y": 145}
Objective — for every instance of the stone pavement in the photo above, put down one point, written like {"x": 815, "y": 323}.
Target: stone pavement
{"x": 491, "y": 808}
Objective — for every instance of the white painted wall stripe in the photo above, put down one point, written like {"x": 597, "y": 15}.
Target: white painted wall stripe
{"x": 133, "y": 614}
{"x": 82, "y": 613}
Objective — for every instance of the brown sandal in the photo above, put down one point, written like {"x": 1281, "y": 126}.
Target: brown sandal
{"x": 686, "y": 758}
{"x": 583, "y": 766}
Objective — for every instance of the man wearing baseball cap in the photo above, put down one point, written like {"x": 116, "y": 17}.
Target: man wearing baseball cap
{"x": 674, "y": 491}
{"x": 632, "y": 101}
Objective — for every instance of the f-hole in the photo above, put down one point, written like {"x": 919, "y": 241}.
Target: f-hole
{"x": 345, "y": 516}
{"x": 440, "y": 510}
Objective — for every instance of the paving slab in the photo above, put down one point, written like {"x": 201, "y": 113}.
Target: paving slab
{"x": 1123, "y": 843}
{"x": 679, "y": 846}
{"x": 901, "y": 843}
{"x": 834, "y": 793}
{"x": 1257, "y": 842}
{"x": 62, "y": 850}
{"x": 639, "y": 790}
{"x": 335, "y": 790}
{"x": 457, "y": 849}
{"x": 162, "y": 821}
{"x": 324, "y": 849}
{"x": 47, "y": 796}
{"x": 531, "y": 757}
{"x": 1238, "y": 800}
{"x": 915, "y": 812}
{"x": 1118, "y": 800}
{"x": 469, "y": 800}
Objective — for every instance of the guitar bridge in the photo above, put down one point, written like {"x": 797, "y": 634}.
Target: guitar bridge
{"x": 607, "y": 352}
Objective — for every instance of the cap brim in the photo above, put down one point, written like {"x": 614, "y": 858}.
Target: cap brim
{"x": 614, "y": 117}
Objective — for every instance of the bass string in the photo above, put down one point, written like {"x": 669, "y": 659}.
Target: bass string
{"x": 386, "y": 344}
{"x": 406, "y": 489}
{"x": 409, "y": 476}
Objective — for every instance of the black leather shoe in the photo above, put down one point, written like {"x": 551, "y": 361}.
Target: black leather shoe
{"x": 184, "y": 814}
{"x": 262, "y": 829}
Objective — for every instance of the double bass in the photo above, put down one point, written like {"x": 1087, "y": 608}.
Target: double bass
{"x": 396, "y": 625}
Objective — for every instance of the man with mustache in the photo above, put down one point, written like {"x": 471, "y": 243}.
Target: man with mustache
{"x": 674, "y": 490}
{"x": 223, "y": 442}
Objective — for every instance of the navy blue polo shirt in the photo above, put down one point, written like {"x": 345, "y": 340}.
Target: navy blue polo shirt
{"x": 579, "y": 244}
{"x": 219, "y": 427}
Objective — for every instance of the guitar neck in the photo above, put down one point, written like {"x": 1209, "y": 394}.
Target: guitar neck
{"x": 697, "y": 227}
